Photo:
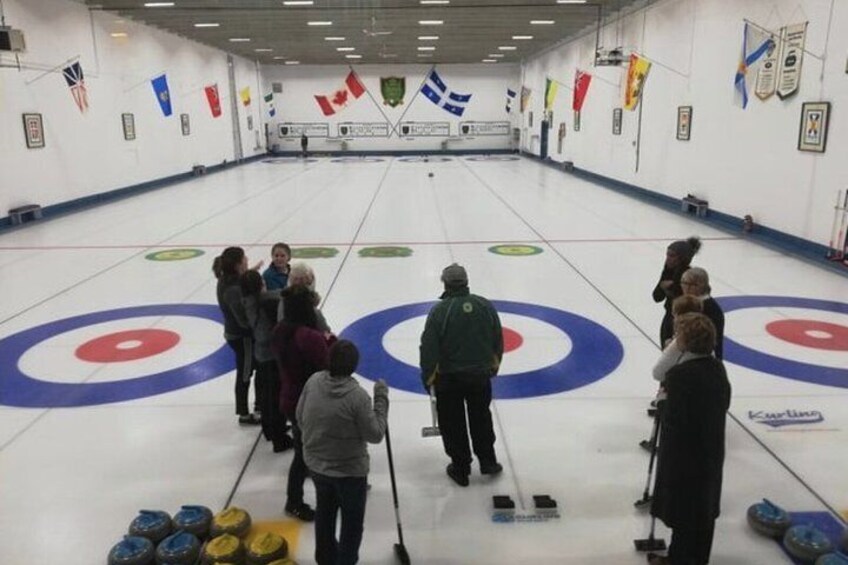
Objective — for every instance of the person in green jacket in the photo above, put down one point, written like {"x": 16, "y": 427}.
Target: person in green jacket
{"x": 461, "y": 350}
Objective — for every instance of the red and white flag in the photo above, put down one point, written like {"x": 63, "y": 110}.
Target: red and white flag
{"x": 76, "y": 82}
{"x": 332, "y": 103}
{"x": 213, "y": 99}
{"x": 581, "y": 87}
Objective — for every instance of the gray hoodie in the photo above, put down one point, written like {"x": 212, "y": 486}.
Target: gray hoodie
{"x": 337, "y": 419}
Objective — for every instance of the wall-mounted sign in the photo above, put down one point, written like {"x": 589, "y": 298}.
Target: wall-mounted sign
{"x": 290, "y": 130}
{"x": 484, "y": 128}
{"x": 424, "y": 129}
{"x": 363, "y": 129}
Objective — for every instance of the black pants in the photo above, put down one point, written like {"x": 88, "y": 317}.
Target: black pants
{"x": 242, "y": 385}
{"x": 268, "y": 383}
{"x": 666, "y": 328}
{"x": 297, "y": 471}
{"x": 691, "y": 547}
{"x": 347, "y": 494}
{"x": 454, "y": 394}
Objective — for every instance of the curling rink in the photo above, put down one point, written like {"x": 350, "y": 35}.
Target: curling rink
{"x": 116, "y": 386}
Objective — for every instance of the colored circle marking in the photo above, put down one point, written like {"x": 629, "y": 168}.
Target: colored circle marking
{"x": 515, "y": 250}
{"x": 595, "y": 351}
{"x": 512, "y": 340}
{"x": 493, "y": 158}
{"x": 386, "y": 251}
{"x": 314, "y": 252}
{"x": 423, "y": 159}
{"x": 129, "y": 345}
{"x": 735, "y": 352}
{"x": 811, "y": 333}
{"x": 21, "y": 390}
{"x": 174, "y": 255}
{"x": 358, "y": 160}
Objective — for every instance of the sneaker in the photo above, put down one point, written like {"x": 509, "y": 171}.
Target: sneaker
{"x": 302, "y": 512}
{"x": 491, "y": 468}
{"x": 249, "y": 420}
{"x": 284, "y": 444}
{"x": 457, "y": 476}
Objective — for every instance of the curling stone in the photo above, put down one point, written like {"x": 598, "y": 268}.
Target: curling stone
{"x": 768, "y": 519}
{"x": 285, "y": 561}
{"x": 226, "y": 548}
{"x": 154, "y": 525}
{"x": 233, "y": 521}
{"x": 194, "y": 520}
{"x": 806, "y": 543}
{"x": 430, "y": 175}
{"x": 266, "y": 548}
{"x": 181, "y": 548}
{"x": 132, "y": 550}
{"x": 837, "y": 558}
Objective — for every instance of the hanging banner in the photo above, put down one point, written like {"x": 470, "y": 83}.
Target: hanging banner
{"x": 637, "y": 72}
{"x": 213, "y": 99}
{"x": 551, "y": 88}
{"x": 269, "y": 101}
{"x": 244, "y": 94}
{"x": 791, "y": 59}
{"x": 163, "y": 94}
{"x": 767, "y": 73}
{"x": 510, "y": 96}
{"x": 424, "y": 129}
{"x": 76, "y": 82}
{"x": 560, "y": 136}
{"x": 581, "y": 88}
{"x": 289, "y": 130}
{"x": 525, "y": 98}
{"x": 363, "y": 129}
{"x": 483, "y": 128}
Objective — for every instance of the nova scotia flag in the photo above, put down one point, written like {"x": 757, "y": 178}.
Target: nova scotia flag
{"x": 436, "y": 90}
{"x": 755, "y": 44}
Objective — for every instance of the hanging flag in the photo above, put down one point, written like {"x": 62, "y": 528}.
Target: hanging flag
{"x": 525, "y": 98}
{"x": 551, "y": 87}
{"x": 792, "y": 56}
{"x": 767, "y": 73}
{"x": 244, "y": 94}
{"x": 437, "y": 91}
{"x": 581, "y": 88}
{"x": 74, "y": 78}
{"x": 510, "y": 96}
{"x": 755, "y": 44}
{"x": 637, "y": 73}
{"x": 163, "y": 95}
{"x": 336, "y": 101}
{"x": 213, "y": 99}
{"x": 269, "y": 100}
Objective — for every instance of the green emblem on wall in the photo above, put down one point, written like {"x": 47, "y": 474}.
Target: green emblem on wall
{"x": 388, "y": 251}
{"x": 515, "y": 250}
{"x": 174, "y": 255}
{"x": 314, "y": 252}
{"x": 393, "y": 90}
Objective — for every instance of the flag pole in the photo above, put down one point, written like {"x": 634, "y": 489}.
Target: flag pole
{"x": 371, "y": 96}
{"x": 52, "y": 70}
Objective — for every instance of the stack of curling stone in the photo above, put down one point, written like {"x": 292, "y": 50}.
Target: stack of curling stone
{"x": 768, "y": 519}
{"x": 193, "y": 519}
{"x": 222, "y": 549}
{"x": 132, "y": 550}
{"x": 806, "y": 543}
{"x": 181, "y": 548}
{"x": 154, "y": 525}
{"x": 837, "y": 558}
{"x": 266, "y": 548}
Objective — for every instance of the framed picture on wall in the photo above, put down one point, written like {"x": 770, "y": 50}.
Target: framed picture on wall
{"x": 616, "y": 121}
{"x": 33, "y": 131}
{"x": 576, "y": 120}
{"x": 128, "y": 121}
{"x": 684, "y": 122}
{"x": 812, "y": 135}
{"x": 185, "y": 123}
{"x": 250, "y": 123}
{"x": 530, "y": 120}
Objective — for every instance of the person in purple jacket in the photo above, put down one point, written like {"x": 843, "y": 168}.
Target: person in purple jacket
{"x": 301, "y": 350}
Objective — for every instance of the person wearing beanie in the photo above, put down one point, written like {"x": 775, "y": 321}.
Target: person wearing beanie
{"x": 461, "y": 350}
{"x": 678, "y": 256}
{"x": 337, "y": 421}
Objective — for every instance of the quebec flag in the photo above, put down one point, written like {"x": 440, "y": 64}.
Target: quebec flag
{"x": 437, "y": 91}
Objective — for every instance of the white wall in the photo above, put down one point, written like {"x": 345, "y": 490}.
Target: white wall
{"x": 86, "y": 154}
{"x": 486, "y": 83}
{"x": 743, "y": 162}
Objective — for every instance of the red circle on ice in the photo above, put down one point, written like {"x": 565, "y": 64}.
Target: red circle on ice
{"x": 512, "y": 339}
{"x": 811, "y": 333}
{"x": 129, "y": 345}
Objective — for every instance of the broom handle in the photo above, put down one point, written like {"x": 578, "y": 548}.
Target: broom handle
{"x": 394, "y": 485}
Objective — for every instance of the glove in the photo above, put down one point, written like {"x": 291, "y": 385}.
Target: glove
{"x": 380, "y": 388}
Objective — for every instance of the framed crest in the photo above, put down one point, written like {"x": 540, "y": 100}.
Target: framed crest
{"x": 616, "y": 121}
{"x": 128, "y": 122}
{"x": 33, "y": 131}
{"x": 812, "y": 135}
{"x": 684, "y": 122}
{"x": 393, "y": 90}
{"x": 185, "y": 124}
{"x": 576, "y": 120}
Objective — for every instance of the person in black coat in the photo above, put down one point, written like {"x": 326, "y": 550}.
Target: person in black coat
{"x": 687, "y": 492}
{"x": 678, "y": 256}
{"x": 696, "y": 282}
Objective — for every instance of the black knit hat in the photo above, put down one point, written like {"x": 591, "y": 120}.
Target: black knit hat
{"x": 685, "y": 249}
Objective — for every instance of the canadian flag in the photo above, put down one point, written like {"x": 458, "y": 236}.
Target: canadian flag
{"x": 334, "y": 102}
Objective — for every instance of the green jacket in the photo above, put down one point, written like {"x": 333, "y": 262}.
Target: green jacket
{"x": 462, "y": 334}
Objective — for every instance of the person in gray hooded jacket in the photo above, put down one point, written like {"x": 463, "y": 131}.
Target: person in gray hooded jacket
{"x": 338, "y": 420}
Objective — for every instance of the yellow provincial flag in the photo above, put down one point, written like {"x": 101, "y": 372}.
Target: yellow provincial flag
{"x": 244, "y": 94}
{"x": 637, "y": 72}
{"x": 550, "y": 93}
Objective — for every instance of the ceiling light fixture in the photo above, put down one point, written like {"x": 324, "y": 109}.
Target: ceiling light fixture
{"x": 522, "y": 37}
{"x": 207, "y": 24}
{"x": 542, "y": 22}
{"x": 425, "y": 2}
{"x": 425, "y": 54}
{"x": 496, "y": 55}
{"x": 428, "y": 37}
{"x": 571, "y": 1}
{"x": 297, "y": 2}
{"x": 430, "y": 22}
{"x": 507, "y": 48}
{"x": 353, "y": 56}
{"x": 118, "y": 34}
{"x": 490, "y": 60}
{"x": 426, "y": 48}
{"x": 263, "y": 50}
{"x": 158, "y": 4}
{"x": 279, "y": 58}
{"x": 320, "y": 23}
{"x": 239, "y": 39}
{"x": 334, "y": 38}
{"x": 292, "y": 62}
{"x": 345, "y": 48}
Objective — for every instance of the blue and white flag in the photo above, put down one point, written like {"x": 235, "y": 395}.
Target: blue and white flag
{"x": 755, "y": 44}
{"x": 437, "y": 91}
{"x": 163, "y": 95}
{"x": 510, "y": 96}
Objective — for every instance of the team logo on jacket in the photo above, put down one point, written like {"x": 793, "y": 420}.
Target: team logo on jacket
{"x": 785, "y": 418}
